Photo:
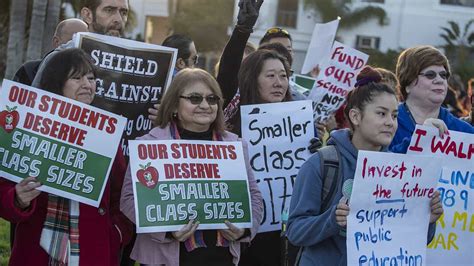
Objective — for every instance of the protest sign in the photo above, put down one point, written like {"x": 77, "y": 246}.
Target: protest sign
{"x": 132, "y": 76}
{"x": 277, "y": 148}
{"x": 57, "y": 140}
{"x": 390, "y": 209}
{"x": 338, "y": 77}
{"x": 302, "y": 84}
{"x": 175, "y": 181}
{"x": 454, "y": 240}
{"x": 320, "y": 45}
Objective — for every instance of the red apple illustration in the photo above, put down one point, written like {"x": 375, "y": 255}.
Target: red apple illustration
{"x": 148, "y": 175}
{"x": 9, "y": 119}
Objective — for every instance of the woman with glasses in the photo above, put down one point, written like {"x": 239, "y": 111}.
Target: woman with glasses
{"x": 422, "y": 73}
{"x": 192, "y": 109}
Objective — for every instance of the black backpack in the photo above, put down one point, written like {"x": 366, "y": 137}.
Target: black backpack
{"x": 332, "y": 176}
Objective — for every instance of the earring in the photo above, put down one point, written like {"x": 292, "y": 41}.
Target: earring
{"x": 175, "y": 115}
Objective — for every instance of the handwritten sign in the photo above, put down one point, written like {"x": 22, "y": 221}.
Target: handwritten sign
{"x": 175, "y": 181}
{"x": 390, "y": 209}
{"x": 338, "y": 76}
{"x": 278, "y": 136}
{"x": 454, "y": 240}
{"x": 57, "y": 140}
{"x": 132, "y": 76}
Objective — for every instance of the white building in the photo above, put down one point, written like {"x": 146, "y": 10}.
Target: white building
{"x": 408, "y": 23}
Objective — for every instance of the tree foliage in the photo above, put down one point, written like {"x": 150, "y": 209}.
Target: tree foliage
{"x": 205, "y": 21}
{"x": 331, "y": 9}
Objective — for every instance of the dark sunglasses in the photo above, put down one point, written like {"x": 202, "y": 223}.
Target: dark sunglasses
{"x": 431, "y": 74}
{"x": 196, "y": 99}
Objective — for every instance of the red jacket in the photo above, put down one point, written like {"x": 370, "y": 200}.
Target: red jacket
{"x": 99, "y": 238}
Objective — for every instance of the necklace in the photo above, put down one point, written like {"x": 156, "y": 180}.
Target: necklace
{"x": 410, "y": 114}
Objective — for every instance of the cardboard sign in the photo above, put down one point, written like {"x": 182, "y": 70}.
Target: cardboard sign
{"x": 278, "y": 135}
{"x": 390, "y": 209}
{"x": 454, "y": 240}
{"x": 57, "y": 140}
{"x": 338, "y": 77}
{"x": 132, "y": 76}
{"x": 175, "y": 181}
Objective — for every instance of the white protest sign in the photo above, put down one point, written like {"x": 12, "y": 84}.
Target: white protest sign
{"x": 453, "y": 243}
{"x": 320, "y": 45}
{"x": 390, "y": 209}
{"x": 175, "y": 181}
{"x": 278, "y": 135}
{"x": 338, "y": 77}
{"x": 58, "y": 140}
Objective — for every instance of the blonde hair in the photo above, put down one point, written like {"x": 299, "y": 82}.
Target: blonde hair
{"x": 181, "y": 81}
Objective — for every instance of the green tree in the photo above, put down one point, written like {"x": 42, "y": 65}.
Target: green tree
{"x": 459, "y": 48}
{"x": 331, "y": 9}
{"x": 205, "y": 21}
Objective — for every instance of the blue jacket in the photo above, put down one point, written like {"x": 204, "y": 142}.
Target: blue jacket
{"x": 406, "y": 126}
{"x": 317, "y": 232}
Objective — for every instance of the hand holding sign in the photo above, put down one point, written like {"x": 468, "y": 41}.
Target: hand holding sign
{"x": 436, "y": 207}
{"x": 188, "y": 230}
{"x": 26, "y": 191}
{"x": 233, "y": 233}
{"x": 439, "y": 124}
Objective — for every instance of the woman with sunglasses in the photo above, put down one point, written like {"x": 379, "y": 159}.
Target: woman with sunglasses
{"x": 422, "y": 73}
{"x": 192, "y": 109}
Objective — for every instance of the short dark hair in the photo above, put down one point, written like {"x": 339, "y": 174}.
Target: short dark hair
{"x": 275, "y": 32}
{"x": 62, "y": 66}
{"x": 180, "y": 42}
{"x": 280, "y": 49}
{"x": 91, "y": 4}
{"x": 370, "y": 85}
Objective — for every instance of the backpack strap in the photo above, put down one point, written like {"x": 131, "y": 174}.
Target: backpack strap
{"x": 330, "y": 171}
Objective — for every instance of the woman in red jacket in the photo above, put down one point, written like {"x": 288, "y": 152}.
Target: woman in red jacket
{"x": 90, "y": 235}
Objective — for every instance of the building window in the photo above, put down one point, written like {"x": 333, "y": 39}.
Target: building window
{"x": 373, "y": 1}
{"x": 367, "y": 42}
{"x": 468, "y": 3}
{"x": 287, "y": 13}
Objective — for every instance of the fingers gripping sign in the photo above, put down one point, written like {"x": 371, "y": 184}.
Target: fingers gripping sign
{"x": 436, "y": 207}
{"x": 26, "y": 191}
{"x": 188, "y": 230}
{"x": 233, "y": 233}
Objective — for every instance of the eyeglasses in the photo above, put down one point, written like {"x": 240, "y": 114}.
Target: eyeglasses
{"x": 431, "y": 74}
{"x": 194, "y": 59}
{"x": 196, "y": 99}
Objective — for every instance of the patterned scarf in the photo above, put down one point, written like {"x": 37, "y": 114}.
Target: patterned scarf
{"x": 197, "y": 239}
{"x": 60, "y": 234}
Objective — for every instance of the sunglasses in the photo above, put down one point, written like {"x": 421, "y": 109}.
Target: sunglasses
{"x": 276, "y": 30}
{"x": 431, "y": 74}
{"x": 196, "y": 99}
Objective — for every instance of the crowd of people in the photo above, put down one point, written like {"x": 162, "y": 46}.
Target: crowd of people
{"x": 380, "y": 114}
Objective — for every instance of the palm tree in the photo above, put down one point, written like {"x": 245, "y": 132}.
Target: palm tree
{"x": 454, "y": 37}
{"x": 15, "y": 46}
{"x": 35, "y": 41}
{"x": 331, "y": 9}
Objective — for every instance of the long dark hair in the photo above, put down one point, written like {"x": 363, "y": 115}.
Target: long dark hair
{"x": 62, "y": 66}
